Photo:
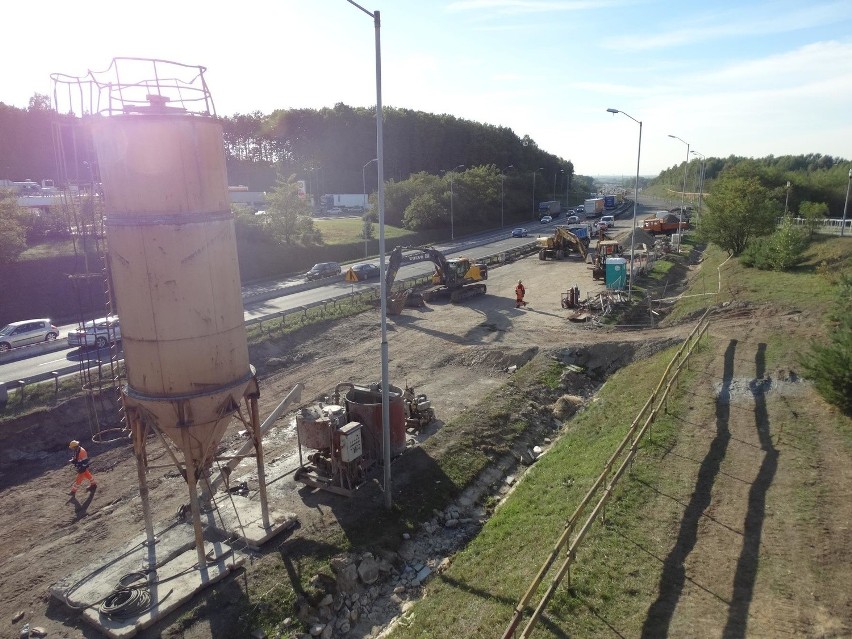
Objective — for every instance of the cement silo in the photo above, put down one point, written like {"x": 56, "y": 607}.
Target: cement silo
{"x": 173, "y": 267}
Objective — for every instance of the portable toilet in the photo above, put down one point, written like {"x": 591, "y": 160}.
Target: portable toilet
{"x": 616, "y": 273}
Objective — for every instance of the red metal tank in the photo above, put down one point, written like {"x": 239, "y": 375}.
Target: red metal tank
{"x": 364, "y": 404}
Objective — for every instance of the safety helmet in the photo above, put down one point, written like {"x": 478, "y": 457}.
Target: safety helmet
{"x": 74, "y": 443}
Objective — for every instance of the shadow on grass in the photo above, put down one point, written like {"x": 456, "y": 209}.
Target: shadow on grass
{"x": 673, "y": 578}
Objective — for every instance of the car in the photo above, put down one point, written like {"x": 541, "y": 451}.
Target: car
{"x": 27, "y": 332}
{"x": 519, "y": 232}
{"x": 572, "y": 219}
{"x": 610, "y": 221}
{"x": 366, "y": 271}
{"x": 546, "y": 219}
{"x": 581, "y": 209}
{"x": 335, "y": 211}
{"x": 323, "y": 270}
{"x": 97, "y": 332}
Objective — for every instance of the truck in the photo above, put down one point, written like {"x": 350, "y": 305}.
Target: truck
{"x": 609, "y": 202}
{"x": 663, "y": 223}
{"x": 552, "y": 208}
{"x": 344, "y": 201}
{"x": 594, "y": 207}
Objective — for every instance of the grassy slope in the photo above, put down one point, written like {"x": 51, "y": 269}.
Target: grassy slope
{"x": 613, "y": 582}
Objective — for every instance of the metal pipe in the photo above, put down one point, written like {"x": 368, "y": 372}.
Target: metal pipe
{"x": 294, "y": 395}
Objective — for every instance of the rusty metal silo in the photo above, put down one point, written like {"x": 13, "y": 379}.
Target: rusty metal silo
{"x": 173, "y": 262}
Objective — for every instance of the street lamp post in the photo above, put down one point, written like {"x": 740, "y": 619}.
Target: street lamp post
{"x": 452, "y": 226}
{"x": 845, "y": 204}
{"x": 555, "y": 173}
{"x": 683, "y": 193}
{"x": 635, "y": 201}
{"x": 502, "y": 181}
{"x": 364, "y": 184}
{"x": 787, "y": 198}
{"x": 533, "y": 195}
{"x": 700, "y": 183}
{"x": 364, "y": 179}
{"x": 380, "y": 157}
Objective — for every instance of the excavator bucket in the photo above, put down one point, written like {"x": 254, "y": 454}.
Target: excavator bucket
{"x": 396, "y": 301}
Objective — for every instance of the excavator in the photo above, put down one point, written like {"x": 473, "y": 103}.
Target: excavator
{"x": 559, "y": 244}
{"x": 457, "y": 278}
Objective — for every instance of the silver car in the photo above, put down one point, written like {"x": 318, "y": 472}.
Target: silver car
{"x": 97, "y": 332}
{"x": 27, "y": 332}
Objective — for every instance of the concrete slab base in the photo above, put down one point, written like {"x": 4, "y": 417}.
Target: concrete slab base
{"x": 239, "y": 516}
{"x": 174, "y": 579}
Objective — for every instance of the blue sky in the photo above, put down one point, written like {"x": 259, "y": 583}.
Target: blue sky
{"x": 746, "y": 78}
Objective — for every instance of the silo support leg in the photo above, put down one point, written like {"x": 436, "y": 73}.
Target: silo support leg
{"x": 192, "y": 483}
{"x": 257, "y": 436}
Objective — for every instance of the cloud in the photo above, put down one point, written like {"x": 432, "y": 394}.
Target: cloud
{"x": 744, "y": 22}
{"x": 515, "y": 7}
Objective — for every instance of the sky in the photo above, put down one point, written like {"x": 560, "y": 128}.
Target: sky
{"x": 750, "y": 78}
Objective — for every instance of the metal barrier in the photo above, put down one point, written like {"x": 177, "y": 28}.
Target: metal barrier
{"x": 495, "y": 259}
{"x": 602, "y": 489}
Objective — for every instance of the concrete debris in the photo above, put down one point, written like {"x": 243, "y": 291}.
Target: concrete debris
{"x": 368, "y": 570}
{"x": 18, "y": 616}
{"x": 258, "y": 634}
{"x": 38, "y": 631}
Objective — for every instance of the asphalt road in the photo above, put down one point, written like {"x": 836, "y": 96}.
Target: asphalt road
{"x": 275, "y": 297}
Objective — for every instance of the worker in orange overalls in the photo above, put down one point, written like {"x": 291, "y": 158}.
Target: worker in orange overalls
{"x": 520, "y": 291}
{"x": 81, "y": 463}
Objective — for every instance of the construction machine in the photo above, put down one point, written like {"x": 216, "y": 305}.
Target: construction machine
{"x": 458, "y": 278}
{"x": 396, "y": 300}
{"x": 559, "y": 244}
{"x": 603, "y": 250}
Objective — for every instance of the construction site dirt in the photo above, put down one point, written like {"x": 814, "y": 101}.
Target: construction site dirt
{"x": 456, "y": 354}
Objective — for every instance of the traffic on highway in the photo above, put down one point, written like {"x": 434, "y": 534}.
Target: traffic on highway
{"x": 260, "y": 301}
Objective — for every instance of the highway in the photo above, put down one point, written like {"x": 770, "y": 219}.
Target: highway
{"x": 272, "y": 298}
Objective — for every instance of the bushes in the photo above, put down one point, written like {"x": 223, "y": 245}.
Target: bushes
{"x": 829, "y": 365}
{"x": 781, "y": 251}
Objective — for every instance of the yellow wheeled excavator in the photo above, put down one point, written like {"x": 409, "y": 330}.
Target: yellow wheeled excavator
{"x": 558, "y": 245}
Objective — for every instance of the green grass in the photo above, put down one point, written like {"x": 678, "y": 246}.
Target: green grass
{"x": 474, "y": 598}
{"x": 347, "y": 230}
{"x": 810, "y": 286}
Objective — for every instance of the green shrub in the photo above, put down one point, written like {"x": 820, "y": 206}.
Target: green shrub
{"x": 829, "y": 365}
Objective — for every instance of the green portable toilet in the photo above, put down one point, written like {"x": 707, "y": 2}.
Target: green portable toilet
{"x": 616, "y": 273}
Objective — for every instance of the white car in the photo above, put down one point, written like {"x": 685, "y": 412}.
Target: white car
{"x": 546, "y": 219}
{"x": 97, "y": 332}
{"x": 27, "y": 332}
{"x": 609, "y": 220}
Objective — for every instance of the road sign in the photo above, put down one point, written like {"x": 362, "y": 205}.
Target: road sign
{"x": 350, "y": 276}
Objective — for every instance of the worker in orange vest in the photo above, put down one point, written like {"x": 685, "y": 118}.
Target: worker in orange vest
{"x": 520, "y": 291}
{"x": 81, "y": 463}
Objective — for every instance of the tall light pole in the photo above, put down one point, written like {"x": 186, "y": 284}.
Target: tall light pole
{"x": 452, "y": 226}
{"x": 502, "y": 180}
{"x": 364, "y": 184}
{"x": 364, "y": 179}
{"x": 787, "y": 198}
{"x": 635, "y": 201}
{"x": 700, "y": 182}
{"x": 682, "y": 193}
{"x": 380, "y": 157}
{"x": 845, "y": 204}
{"x": 555, "y": 173}
{"x": 534, "y": 172}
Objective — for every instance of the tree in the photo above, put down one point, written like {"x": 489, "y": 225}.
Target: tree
{"x": 814, "y": 213}
{"x": 288, "y": 216}
{"x": 426, "y": 211}
{"x": 12, "y": 231}
{"x": 738, "y": 210}
{"x": 829, "y": 365}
